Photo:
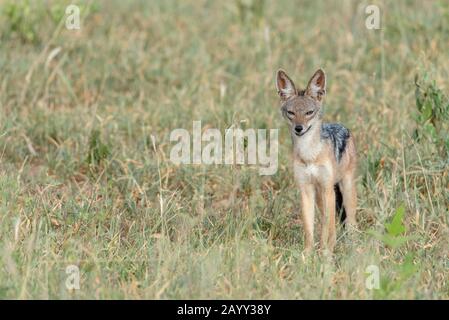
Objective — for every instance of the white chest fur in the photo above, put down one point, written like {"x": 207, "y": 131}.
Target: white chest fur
{"x": 311, "y": 173}
{"x": 307, "y": 148}
{"x": 306, "y": 167}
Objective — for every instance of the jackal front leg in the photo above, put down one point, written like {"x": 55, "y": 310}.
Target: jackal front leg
{"x": 328, "y": 233}
{"x": 308, "y": 214}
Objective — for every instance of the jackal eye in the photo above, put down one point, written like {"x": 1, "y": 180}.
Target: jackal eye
{"x": 308, "y": 113}
{"x": 290, "y": 113}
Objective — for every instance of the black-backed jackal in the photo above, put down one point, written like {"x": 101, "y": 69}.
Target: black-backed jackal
{"x": 324, "y": 158}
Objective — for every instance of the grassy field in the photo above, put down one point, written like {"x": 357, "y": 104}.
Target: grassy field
{"x": 83, "y": 183}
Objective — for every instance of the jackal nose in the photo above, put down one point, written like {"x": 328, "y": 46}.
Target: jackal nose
{"x": 298, "y": 128}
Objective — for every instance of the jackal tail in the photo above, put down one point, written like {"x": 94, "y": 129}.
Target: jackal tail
{"x": 340, "y": 209}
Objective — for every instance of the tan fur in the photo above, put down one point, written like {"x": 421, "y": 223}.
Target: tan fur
{"x": 316, "y": 169}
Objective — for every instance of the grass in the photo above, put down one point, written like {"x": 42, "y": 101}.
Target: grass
{"x": 83, "y": 182}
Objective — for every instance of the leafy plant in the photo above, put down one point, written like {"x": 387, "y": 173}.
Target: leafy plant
{"x": 433, "y": 113}
{"x": 394, "y": 236}
{"x": 402, "y": 273}
{"x": 20, "y": 20}
{"x": 98, "y": 151}
{"x": 57, "y": 12}
{"x": 374, "y": 164}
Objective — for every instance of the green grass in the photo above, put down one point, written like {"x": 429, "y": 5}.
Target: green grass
{"x": 82, "y": 183}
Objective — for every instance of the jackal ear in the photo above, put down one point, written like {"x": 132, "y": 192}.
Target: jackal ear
{"x": 317, "y": 85}
{"x": 285, "y": 86}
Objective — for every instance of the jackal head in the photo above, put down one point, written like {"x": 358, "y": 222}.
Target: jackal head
{"x": 302, "y": 109}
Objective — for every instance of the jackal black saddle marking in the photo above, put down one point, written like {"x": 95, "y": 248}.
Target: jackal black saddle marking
{"x": 338, "y": 135}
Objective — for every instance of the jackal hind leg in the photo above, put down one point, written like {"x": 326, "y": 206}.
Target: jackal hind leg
{"x": 349, "y": 192}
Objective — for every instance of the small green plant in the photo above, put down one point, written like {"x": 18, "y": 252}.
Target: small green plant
{"x": 57, "y": 12}
{"x": 20, "y": 20}
{"x": 433, "y": 114}
{"x": 24, "y": 19}
{"x": 374, "y": 165}
{"x": 394, "y": 236}
{"x": 403, "y": 272}
{"x": 98, "y": 150}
